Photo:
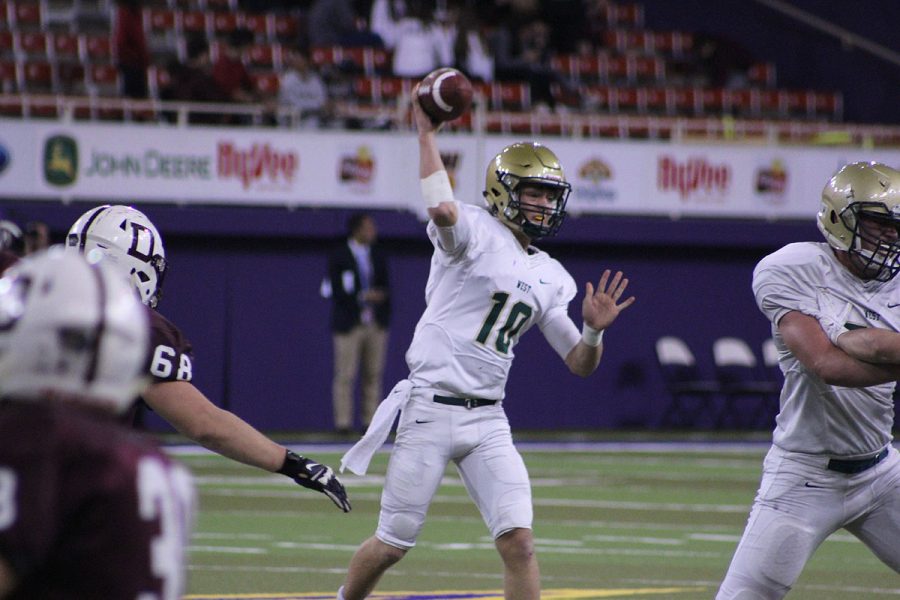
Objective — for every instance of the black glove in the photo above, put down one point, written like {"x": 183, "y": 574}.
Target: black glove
{"x": 315, "y": 476}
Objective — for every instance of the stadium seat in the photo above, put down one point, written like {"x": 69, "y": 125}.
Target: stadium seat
{"x": 510, "y": 95}
{"x": 286, "y": 28}
{"x": 743, "y": 383}
{"x": 31, "y": 45}
{"x": 102, "y": 80}
{"x": 263, "y": 57}
{"x": 97, "y": 48}
{"x": 66, "y": 46}
{"x": 26, "y": 15}
{"x": 762, "y": 74}
{"x": 266, "y": 84}
{"x": 691, "y": 395}
{"x": 37, "y": 77}
{"x": 7, "y": 48}
{"x": 9, "y": 76}
{"x": 261, "y": 24}
{"x": 193, "y": 22}
{"x": 224, "y": 23}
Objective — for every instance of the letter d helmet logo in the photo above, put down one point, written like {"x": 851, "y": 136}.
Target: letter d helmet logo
{"x": 60, "y": 160}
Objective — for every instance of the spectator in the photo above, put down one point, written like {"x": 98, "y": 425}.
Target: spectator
{"x": 383, "y": 20}
{"x": 330, "y": 21}
{"x": 471, "y": 53}
{"x": 360, "y": 315}
{"x": 231, "y": 76}
{"x": 76, "y": 483}
{"x": 192, "y": 81}
{"x": 37, "y": 237}
{"x": 132, "y": 56}
{"x": 421, "y": 45}
{"x": 302, "y": 90}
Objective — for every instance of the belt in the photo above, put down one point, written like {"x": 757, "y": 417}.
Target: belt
{"x": 467, "y": 402}
{"x": 856, "y": 466}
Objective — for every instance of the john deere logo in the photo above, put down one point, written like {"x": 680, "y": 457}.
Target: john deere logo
{"x": 60, "y": 160}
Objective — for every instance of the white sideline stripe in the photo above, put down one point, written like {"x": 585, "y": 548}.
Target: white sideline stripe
{"x": 622, "y": 447}
{"x": 227, "y": 549}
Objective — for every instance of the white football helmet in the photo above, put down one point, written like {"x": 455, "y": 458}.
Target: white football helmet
{"x": 126, "y": 237}
{"x": 870, "y": 190}
{"x": 71, "y": 329}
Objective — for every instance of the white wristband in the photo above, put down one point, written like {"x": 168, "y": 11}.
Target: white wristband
{"x": 590, "y": 336}
{"x": 436, "y": 189}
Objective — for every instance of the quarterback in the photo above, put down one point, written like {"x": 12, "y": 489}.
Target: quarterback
{"x": 487, "y": 286}
{"x": 125, "y": 237}
{"x": 835, "y": 313}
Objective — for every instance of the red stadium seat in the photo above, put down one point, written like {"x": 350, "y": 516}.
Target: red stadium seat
{"x": 266, "y": 84}
{"x": 194, "y": 22}
{"x": 98, "y": 48}
{"x": 37, "y": 77}
{"x": 263, "y": 56}
{"x": 762, "y": 74}
{"x": 286, "y": 28}
{"x": 649, "y": 68}
{"x": 262, "y": 25}
{"x": 32, "y": 44}
{"x": 511, "y": 95}
{"x": 27, "y": 15}
{"x": 688, "y": 101}
{"x": 9, "y": 76}
{"x": 159, "y": 20}
{"x": 6, "y": 44}
{"x": 223, "y": 23}
{"x": 102, "y": 79}
{"x": 66, "y": 46}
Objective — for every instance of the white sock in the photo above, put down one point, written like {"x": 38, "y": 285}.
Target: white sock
{"x": 340, "y": 595}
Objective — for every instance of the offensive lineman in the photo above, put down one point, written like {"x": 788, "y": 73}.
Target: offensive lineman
{"x": 487, "y": 286}
{"x": 89, "y": 508}
{"x": 125, "y": 237}
{"x": 835, "y": 312}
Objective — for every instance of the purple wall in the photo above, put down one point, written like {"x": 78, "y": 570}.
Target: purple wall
{"x": 244, "y": 287}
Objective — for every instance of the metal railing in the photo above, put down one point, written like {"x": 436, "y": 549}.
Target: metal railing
{"x": 396, "y": 116}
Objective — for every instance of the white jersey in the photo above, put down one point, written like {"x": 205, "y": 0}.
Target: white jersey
{"x": 817, "y": 418}
{"x": 480, "y": 300}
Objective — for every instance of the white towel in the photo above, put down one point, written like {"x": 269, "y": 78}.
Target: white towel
{"x": 358, "y": 457}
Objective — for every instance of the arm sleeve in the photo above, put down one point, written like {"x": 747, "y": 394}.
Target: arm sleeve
{"x": 452, "y": 240}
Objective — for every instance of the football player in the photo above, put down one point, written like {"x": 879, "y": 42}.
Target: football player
{"x": 487, "y": 286}
{"x": 89, "y": 508}
{"x": 12, "y": 244}
{"x": 125, "y": 237}
{"x": 835, "y": 313}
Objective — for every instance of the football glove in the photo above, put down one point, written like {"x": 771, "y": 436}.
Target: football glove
{"x": 315, "y": 476}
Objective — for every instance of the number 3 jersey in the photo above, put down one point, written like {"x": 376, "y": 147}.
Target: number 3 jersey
{"x": 89, "y": 508}
{"x": 481, "y": 298}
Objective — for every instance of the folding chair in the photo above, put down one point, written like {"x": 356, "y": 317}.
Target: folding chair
{"x": 691, "y": 394}
{"x": 742, "y": 382}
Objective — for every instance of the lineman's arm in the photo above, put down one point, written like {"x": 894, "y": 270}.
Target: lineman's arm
{"x": 193, "y": 415}
{"x": 8, "y": 578}
{"x": 598, "y": 310}
{"x": 442, "y": 210}
{"x": 806, "y": 339}
{"x": 871, "y": 345}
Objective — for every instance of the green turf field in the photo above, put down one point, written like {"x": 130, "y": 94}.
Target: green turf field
{"x": 611, "y": 522}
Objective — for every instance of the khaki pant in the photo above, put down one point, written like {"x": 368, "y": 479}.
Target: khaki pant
{"x": 363, "y": 347}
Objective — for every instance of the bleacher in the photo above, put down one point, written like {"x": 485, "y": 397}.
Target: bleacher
{"x": 56, "y": 58}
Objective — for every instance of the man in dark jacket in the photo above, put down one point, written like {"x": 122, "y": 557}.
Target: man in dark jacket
{"x": 358, "y": 281}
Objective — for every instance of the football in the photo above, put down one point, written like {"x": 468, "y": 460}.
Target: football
{"x": 445, "y": 94}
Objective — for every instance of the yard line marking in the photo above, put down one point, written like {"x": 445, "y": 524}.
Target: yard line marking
{"x": 227, "y": 549}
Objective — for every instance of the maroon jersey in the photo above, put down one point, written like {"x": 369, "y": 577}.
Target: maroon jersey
{"x": 89, "y": 508}
{"x": 171, "y": 354}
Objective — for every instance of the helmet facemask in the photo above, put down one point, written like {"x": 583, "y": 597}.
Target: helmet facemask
{"x": 535, "y": 220}
{"x": 876, "y": 258}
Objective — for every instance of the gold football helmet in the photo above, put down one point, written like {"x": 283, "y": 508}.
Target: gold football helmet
{"x": 526, "y": 164}
{"x": 864, "y": 191}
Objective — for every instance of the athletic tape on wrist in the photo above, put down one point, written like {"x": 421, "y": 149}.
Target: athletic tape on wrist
{"x": 591, "y": 336}
{"x": 436, "y": 189}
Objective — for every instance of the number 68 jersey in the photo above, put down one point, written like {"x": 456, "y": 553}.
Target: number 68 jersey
{"x": 481, "y": 299}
